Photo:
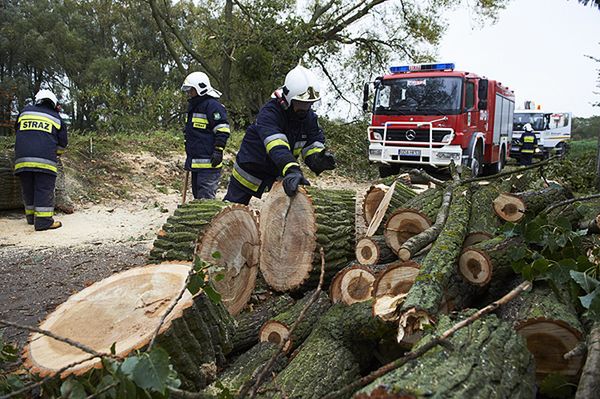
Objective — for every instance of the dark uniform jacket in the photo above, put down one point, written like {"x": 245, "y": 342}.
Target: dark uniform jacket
{"x": 273, "y": 143}
{"x": 206, "y": 128}
{"x": 41, "y": 134}
{"x": 528, "y": 143}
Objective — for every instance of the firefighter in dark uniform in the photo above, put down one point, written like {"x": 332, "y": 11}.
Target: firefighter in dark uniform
{"x": 41, "y": 136}
{"x": 286, "y": 127}
{"x": 206, "y": 134}
{"x": 528, "y": 145}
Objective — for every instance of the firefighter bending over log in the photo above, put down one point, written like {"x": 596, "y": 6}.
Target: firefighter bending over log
{"x": 285, "y": 128}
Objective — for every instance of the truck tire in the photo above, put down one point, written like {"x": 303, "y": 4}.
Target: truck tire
{"x": 477, "y": 161}
{"x": 496, "y": 167}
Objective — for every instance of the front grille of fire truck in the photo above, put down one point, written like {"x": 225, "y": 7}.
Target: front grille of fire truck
{"x": 417, "y": 135}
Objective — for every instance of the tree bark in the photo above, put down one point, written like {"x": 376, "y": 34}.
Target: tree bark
{"x": 373, "y": 250}
{"x": 294, "y": 228}
{"x": 428, "y": 202}
{"x": 10, "y": 186}
{"x": 278, "y": 328}
{"x": 485, "y": 360}
{"x": 513, "y": 207}
{"x": 63, "y": 201}
{"x": 402, "y": 194}
{"x": 483, "y": 222}
{"x": 481, "y": 262}
{"x": 233, "y": 233}
{"x": 589, "y": 383}
{"x": 177, "y": 238}
{"x": 550, "y": 327}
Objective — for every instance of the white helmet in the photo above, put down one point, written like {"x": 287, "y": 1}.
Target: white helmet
{"x": 301, "y": 85}
{"x": 45, "y": 94}
{"x": 527, "y": 127}
{"x": 200, "y": 82}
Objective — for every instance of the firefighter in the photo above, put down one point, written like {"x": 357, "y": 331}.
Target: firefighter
{"x": 41, "y": 136}
{"x": 206, "y": 134}
{"x": 528, "y": 145}
{"x": 285, "y": 128}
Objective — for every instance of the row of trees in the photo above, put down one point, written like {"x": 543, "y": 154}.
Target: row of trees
{"x": 128, "y": 57}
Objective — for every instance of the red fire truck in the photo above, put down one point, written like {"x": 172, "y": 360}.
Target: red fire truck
{"x": 430, "y": 115}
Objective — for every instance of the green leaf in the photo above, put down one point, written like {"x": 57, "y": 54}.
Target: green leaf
{"x": 556, "y": 386}
{"x": 152, "y": 370}
{"x": 113, "y": 348}
{"x": 540, "y": 266}
{"x": 213, "y": 295}
{"x": 216, "y": 255}
{"x": 106, "y": 381}
{"x": 219, "y": 277}
{"x": 129, "y": 364}
{"x": 72, "y": 389}
{"x": 563, "y": 223}
{"x": 586, "y": 282}
{"x": 519, "y": 265}
{"x": 195, "y": 284}
{"x": 126, "y": 388}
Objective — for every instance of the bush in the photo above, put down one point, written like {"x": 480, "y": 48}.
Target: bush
{"x": 578, "y": 169}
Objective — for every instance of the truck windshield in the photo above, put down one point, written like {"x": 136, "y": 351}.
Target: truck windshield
{"x": 537, "y": 120}
{"x": 419, "y": 96}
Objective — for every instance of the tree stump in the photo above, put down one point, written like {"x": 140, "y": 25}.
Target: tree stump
{"x": 177, "y": 238}
{"x": 294, "y": 228}
{"x": 125, "y": 309}
{"x": 233, "y": 233}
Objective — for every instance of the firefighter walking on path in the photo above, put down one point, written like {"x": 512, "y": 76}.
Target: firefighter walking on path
{"x": 528, "y": 145}
{"x": 41, "y": 136}
{"x": 285, "y": 128}
{"x": 206, "y": 134}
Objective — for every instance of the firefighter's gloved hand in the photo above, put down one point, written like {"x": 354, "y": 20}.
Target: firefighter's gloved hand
{"x": 217, "y": 157}
{"x": 293, "y": 178}
{"x": 320, "y": 161}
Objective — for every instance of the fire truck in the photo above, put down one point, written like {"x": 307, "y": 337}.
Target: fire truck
{"x": 430, "y": 115}
{"x": 553, "y": 129}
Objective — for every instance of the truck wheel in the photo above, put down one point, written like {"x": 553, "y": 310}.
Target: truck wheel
{"x": 496, "y": 167}
{"x": 561, "y": 149}
{"x": 477, "y": 162}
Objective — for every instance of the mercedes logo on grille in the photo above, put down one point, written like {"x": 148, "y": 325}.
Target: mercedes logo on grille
{"x": 410, "y": 135}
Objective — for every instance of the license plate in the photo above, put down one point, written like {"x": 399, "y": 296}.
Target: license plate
{"x": 413, "y": 153}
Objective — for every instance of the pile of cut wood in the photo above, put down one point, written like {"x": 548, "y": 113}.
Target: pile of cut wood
{"x": 306, "y": 310}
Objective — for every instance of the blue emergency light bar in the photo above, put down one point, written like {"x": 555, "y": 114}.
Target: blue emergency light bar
{"x": 422, "y": 68}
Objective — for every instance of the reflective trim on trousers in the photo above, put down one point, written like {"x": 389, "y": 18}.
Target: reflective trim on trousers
{"x": 33, "y": 162}
{"x": 204, "y": 164}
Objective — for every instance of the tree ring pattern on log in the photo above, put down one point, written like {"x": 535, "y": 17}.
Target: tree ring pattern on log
{"x": 402, "y": 225}
{"x": 356, "y": 285}
{"x": 475, "y": 267}
{"x": 275, "y": 332}
{"x": 396, "y": 279}
{"x": 509, "y": 207}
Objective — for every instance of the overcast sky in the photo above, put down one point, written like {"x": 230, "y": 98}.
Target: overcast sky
{"x": 537, "y": 48}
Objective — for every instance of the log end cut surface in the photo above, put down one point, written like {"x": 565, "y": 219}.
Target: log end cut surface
{"x": 234, "y": 234}
{"x": 372, "y": 200}
{"x": 402, "y": 225}
{"x": 509, "y": 207}
{"x": 124, "y": 308}
{"x": 475, "y": 267}
{"x": 275, "y": 332}
{"x": 396, "y": 279}
{"x": 356, "y": 285}
{"x": 288, "y": 233}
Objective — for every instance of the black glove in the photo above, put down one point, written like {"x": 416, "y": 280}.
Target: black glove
{"x": 320, "y": 161}
{"x": 216, "y": 158}
{"x": 293, "y": 178}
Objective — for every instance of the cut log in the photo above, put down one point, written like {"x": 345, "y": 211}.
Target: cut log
{"x": 234, "y": 235}
{"x": 10, "y": 186}
{"x": 178, "y": 236}
{"x": 438, "y": 281}
{"x": 375, "y": 194}
{"x": 396, "y": 278}
{"x": 331, "y": 357}
{"x": 125, "y": 309}
{"x": 589, "y": 383}
{"x": 294, "y": 228}
{"x": 373, "y": 250}
{"x": 428, "y": 202}
{"x": 478, "y": 263}
{"x": 592, "y": 226}
{"x": 354, "y": 283}
{"x": 249, "y": 322}
{"x": 402, "y": 225}
{"x": 550, "y": 327}
{"x": 484, "y": 222}
{"x": 487, "y": 360}
{"x": 63, "y": 201}
{"x": 513, "y": 207}
{"x": 278, "y": 328}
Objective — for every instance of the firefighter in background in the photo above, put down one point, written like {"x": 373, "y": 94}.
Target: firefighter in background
{"x": 285, "y": 128}
{"x": 528, "y": 145}
{"x": 41, "y": 135}
{"x": 206, "y": 134}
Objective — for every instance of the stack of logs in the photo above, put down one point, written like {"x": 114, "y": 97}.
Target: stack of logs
{"x": 426, "y": 260}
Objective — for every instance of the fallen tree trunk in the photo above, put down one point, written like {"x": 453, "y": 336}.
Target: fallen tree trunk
{"x": 373, "y": 250}
{"x": 492, "y": 258}
{"x": 428, "y": 202}
{"x": 294, "y": 228}
{"x": 589, "y": 383}
{"x": 278, "y": 328}
{"x": 402, "y": 225}
{"x": 485, "y": 360}
{"x": 10, "y": 186}
{"x": 233, "y": 234}
{"x": 375, "y": 194}
{"x": 550, "y": 327}
{"x": 438, "y": 280}
{"x": 396, "y": 278}
{"x": 331, "y": 357}
{"x": 513, "y": 207}
{"x": 63, "y": 201}
{"x": 178, "y": 236}
{"x": 249, "y": 322}
{"x": 125, "y": 309}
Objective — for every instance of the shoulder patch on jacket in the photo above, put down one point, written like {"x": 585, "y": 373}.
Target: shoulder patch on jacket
{"x": 217, "y": 116}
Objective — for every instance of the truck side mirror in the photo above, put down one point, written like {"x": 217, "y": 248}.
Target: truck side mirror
{"x": 365, "y": 105}
{"x": 482, "y": 93}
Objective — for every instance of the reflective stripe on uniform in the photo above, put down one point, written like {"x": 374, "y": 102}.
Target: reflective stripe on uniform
{"x": 40, "y": 116}
{"x": 527, "y": 151}
{"x": 298, "y": 148}
{"x": 315, "y": 147}
{"x": 222, "y": 128}
{"x": 276, "y": 139}
{"x": 204, "y": 163}
{"x": 528, "y": 139}
{"x": 289, "y": 165}
{"x": 32, "y": 162}
{"x": 245, "y": 178}
{"x": 29, "y": 209}
{"x": 199, "y": 121}
{"x": 44, "y": 212}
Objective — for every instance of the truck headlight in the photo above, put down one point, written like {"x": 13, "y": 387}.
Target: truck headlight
{"x": 537, "y": 150}
{"x": 447, "y": 138}
{"x": 375, "y": 152}
{"x": 377, "y": 136}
